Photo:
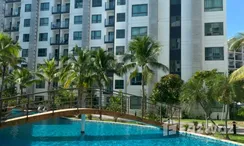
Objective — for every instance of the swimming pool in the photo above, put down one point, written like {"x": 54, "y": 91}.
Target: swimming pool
{"x": 63, "y": 132}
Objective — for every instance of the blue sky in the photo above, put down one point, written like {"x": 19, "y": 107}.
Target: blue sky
{"x": 235, "y": 17}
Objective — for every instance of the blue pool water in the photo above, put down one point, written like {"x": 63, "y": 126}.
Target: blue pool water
{"x": 63, "y": 132}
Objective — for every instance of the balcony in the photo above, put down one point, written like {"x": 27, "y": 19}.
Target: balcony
{"x": 231, "y": 56}
{"x": 12, "y": 14}
{"x": 238, "y": 65}
{"x": 231, "y": 66}
{"x": 12, "y": 1}
{"x": 109, "y": 22}
{"x": 108, "y": 39}
{"x": 59, "y": 41}
{"x": 11, "y": 29}
{"x": 59, "y": 10}
{"x": 60, "y": 25}
{"x": 109, "y": 6}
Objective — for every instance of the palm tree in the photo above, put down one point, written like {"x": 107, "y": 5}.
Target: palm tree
{"x": 198, "y": 90}
{"x": 236, "y": 42}
{"x": 76, "y": 72}
{"x": 48, "y": 72}
{"x": 23, "y": 78}
{"x": 9, "y": 51}
{"x": 103, "y": 63}
{"x": 144, "y": 53}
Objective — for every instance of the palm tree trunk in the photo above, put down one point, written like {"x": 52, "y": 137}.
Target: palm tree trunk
{"x": 143, "y": 97}
{"x": 80, "y": 99}
{"x": 18, "y": 98}
{"x": 1, "y": 89}
{"x": 226, "y": 122}
{"x": 100, "y": 102}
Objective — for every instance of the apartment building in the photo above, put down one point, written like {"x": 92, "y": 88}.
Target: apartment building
{"x": 236, "y": 59}
{"x": 192, "y": 33}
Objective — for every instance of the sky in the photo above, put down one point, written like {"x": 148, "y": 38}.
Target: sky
{"x": 235, "y": 17}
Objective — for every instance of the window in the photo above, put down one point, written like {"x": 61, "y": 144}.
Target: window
{"x": 44, "y": 21}
{"x": 39, "y": 98}
{"x": 26, "y": 22}
{"x": 175, "y": 2}
{"x": 96, "y": 3}
{"x": 120, "y": 50}
{"x": 96, "y": 35}
{"x": 42, "y": 52}
{"x": 175, "y": 66}
{"x": 138, "y": 31}
{"x": 78, "y": 3}
{"x": 135, "y": 102}
{"x": 175, "y": 21}
{"x": 121, "y": 17}
{"x": 26, "y": 37}
{"x": 111, "y": 50}
{"x": 213, "y": 5}
{"x": 96, "y": 18}
{"x": 95, "y": 48}
{"x": 77, "y": 35}
{"x": 65, "y": 52}
{"x": 44, "y": 6}
{"x": 214, "y": 53}
{"x": 214, "y": 29}
{"x": 43, "y": 36}
{"x": 175, "y": 43}
{"x": 139, "y": 10}
{"x": 27, "y": 7}
{"x": 120, "y": 2}
{"x": 40, "y": 85}
{"x": 24, "y": 65}
{"x": 120, "y": 33}
{"x": 24, "y": 52}
{"x": 137, "y": 79}
{"x": 119, "y": 84}
{"x": 78, "y": 19}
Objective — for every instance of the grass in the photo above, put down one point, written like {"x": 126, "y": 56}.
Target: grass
{"x": 239, "y": 123}
{"x": 235, "y": 138}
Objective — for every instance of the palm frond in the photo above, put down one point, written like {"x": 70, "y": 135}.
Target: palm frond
{"x": 237, "y": 75}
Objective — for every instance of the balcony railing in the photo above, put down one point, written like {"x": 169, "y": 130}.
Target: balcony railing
{"x": 108, "y": 39}
{"x": 12, "y": 1}
{"x": 109, "y": 6}
{"x": 12, "y": 14}
{"x": 59, "y": 41}
{"x": 11, "y": 29}
{"x": 60, "y": 25}
{"x": 58, "y": 10}
{"x": 109, "y": 23}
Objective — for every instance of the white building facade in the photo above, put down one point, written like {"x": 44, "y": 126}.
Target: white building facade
{"x": 192, "y": 32}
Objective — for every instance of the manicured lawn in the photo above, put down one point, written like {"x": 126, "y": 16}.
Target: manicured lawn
{"x": 239, "y": 123}
{"x": 236, "y": 138}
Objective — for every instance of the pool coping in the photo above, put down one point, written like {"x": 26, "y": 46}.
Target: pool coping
{"x": 149, "y": 126}
{"x": 213, "y": 138}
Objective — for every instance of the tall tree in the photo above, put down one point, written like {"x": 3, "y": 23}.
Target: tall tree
{"x": 76, "y": 70}
{"x": 167, "y": 90}
{"x": 103, "y": 63}
{"x": 199, "y": 90}
{"x": 9, "y": 53}
{"x": 143, "y": 57}
{"x": 23, "y": 78}
{"x": 227, "y": 92}
{"x": 48, "y": 72}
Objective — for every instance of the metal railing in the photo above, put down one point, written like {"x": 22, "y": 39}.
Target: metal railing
{"x": 60, "y": 9}
{"x": 15, "y": 13}
{"x": 60, "y": 25}
{"x": 11, "y": 29}
{"x": 59, "y": 41}
{"x": 90, "y": 98}
{"x": 12, "y": 1}
{"x": 109, "y": 23}
{"x": 108, "y": 39}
